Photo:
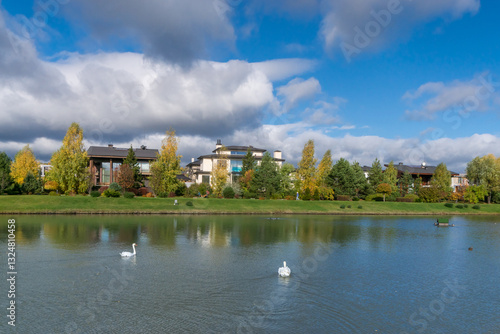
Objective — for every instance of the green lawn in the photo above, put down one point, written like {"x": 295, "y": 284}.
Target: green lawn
{"x": 87, "y": 204}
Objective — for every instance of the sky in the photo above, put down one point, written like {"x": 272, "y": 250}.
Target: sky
{"x": 401, "y": 80}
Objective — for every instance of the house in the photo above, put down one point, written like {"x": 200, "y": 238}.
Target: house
{"x": 459, "y": 181}
{"x": 200, "y": 170}
{"x": 105, "y": 162}
{"x": 423, "y": 171}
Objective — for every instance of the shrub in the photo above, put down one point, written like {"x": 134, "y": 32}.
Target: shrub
{"x": 466, "y": 206}
{"x": 249, "y": 194}
{"x": 111, "y": 193}
{"x": 375, "y": 197}
{"x": 95, "y": 193}
{"x": 476, "y": 207}
{"x": 360, "y": 207}
{"x": 115, "y": 186}
{"x": 290, "y": 198}
{"x": 448, "y": 205}
{"x": 342, "y": 206}
{"x": 413, "y": 197}
{"x": 459, "y": 206}
{"x": 162, "y": 194}
{"x": 348, "y": 206}
{"x": 343, "y": 198}
{"x": 429, "y": 195}
{"x": 103, "y": 189}
{"x": 228, "y": 192}
{"x": 54, "y": 193}
{"x": 129, "y": 194}
{"x": 355, "y": 198}
{"x": 181, "y": 190}
{"x": 306, "y": 195}
{"x": 149, "y": 195}
{"x": 404, "y": 199}
{"x": 189, "y": 203}
{"x": 316, "y": 194}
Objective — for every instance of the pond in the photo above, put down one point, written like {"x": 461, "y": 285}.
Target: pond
{"x": 219, "y": 274}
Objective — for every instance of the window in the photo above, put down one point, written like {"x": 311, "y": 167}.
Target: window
{"x": 144, "y": 167}
{"x": 238, "y": 153}
{"x": 236, "y": 166}
{"x": 105, "y": 172}
{"x": 205, "y": 179}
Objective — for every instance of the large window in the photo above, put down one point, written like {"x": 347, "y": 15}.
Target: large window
{"x": 106, "y": 172}
{"x": 238, "y": 153}
{"x": 205, "y": 179}
{"x": 144, "y": 166}
{"x": 236, "y": 166}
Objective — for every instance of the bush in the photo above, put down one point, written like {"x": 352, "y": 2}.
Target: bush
{"x": 413, "y": 197}
{"x": 181, "y": 190}
{"x": 342, "y": 206}
{"x": 149, "y": 195}
{"x": 343, "y": 198}
{"x": 348, "y": 206}
{"x": 111, "y": 193}
{"x": 448, "y": 205}
{"x": 103, "y": 189}
{"x": 129, "y": 194}
{"x": 375, "y": 197}
{"x": 249, "y": 194}
{"x": 115, "y": 186}
{"x": 476, "y": 207}
{"x": 316, "y": 194}
{"x": 162, "y": 194}
{"x": 54, "y": 193}
{"x": 355, "y": 198}
{"x": 466, "y": 206}
{"x": 429, "y": 195}
{"x": 290, "y": 198}
{"x": 228, "y": 192}
{"x": 95, "y": 193}
{"x": 404, "y": 199}
{"x": 459, "y": 206}
{"x": 360, "y": 207}
{"x": 306, "y": 195}
{"x": 189, "y": 203}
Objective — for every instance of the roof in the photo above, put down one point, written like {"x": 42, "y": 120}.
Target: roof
{"x": 111, "y": 151}
{"x": 182, "y": 177}
{"x": 194, "y": 163}
{"x": 422, "y": 170}
{"x": 242, "y": 148}
{"x": 232, "y": 156}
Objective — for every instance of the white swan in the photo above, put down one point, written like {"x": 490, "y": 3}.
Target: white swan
{"x": 284, "y": 271}
{"x": 128, "y": 254}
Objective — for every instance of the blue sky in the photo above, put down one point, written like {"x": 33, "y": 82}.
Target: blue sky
{"x": 396, "y": 80}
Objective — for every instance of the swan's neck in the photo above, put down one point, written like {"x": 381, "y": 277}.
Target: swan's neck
{"x": 133, "y": 246}
{"x": 284, "y": 264}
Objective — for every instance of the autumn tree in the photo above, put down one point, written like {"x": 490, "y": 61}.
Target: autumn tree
{"x": 307, "y": 168}
{"x": 219, "y": 175}
{"x": 24, "y": 163}
{"x": 385, "y": 189}
{"x": 391, "y": 176}
{"x": 5, "y": 178}
{"x": 324, "y": 168}
{"x": 131, "y": 161}
{"x": 375, "y": 175}
{"x": 442, "y": 179}
{"x": 485, "y": 171}
{"x": 165, "y": 169}
{"x": 70, "y": 163}
{"x": 126, "y": 177}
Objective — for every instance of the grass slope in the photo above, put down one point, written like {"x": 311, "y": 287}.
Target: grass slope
{"x": 86, "y": 204}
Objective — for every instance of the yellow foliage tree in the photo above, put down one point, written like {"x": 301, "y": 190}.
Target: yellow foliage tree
{"x": 307, "y": 168}
{"x": 324, "y": 167}
{"x": 70, "y": 163}
{"x": 165, "y": 169}
{"x": 219, "y": 173}
{"x": 24, "y": 163}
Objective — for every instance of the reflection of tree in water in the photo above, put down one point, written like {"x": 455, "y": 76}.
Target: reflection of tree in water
{"x": 72, "y": 233}
{"x": 26, "y": 232}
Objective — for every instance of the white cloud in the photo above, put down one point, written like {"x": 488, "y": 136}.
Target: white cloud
{"x": 434, "y": 97}
{"x": 297, "y": 90}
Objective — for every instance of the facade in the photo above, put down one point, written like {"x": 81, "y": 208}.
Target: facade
{"x": 459, "y": 181}
{"x": 199, "y": 170}
{"x": 423, "y": 171}
{"x": 105, "y": 162}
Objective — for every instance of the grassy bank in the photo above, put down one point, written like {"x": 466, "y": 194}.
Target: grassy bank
{"x": 142, "y": 205}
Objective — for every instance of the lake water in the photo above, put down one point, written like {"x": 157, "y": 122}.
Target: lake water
{"x": 218, "y": 274}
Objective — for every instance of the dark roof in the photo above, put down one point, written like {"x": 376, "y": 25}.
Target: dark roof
{"x": 422, "y": 170}
{"x": 184, "y": 178}
{"x": 194, "y": 163}
{"x": 242, "y": 148}
{"x": 111, "y": 151}
{"x": 233, "y": 156}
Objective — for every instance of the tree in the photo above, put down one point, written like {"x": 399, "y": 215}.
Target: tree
{"x": 385, "y": 189}
{"x": 126, "y": 178}
{"x": 307, "y": 168}
{"x": 70, "y": 163}
{"x": 324, "y": 168}
{"x": 131, "y": 161}
{"x": 442, "y": 179}
{"x": 375, "y": 175}
{"x": 391, "y": 176}
{"x": 5, "y": 178}
{"x": 405, "y": 183}
{"x": 474, "y": 194}
{"x": 267, "y": 177}
{"x": 341, "y": 178}
{"x": 165, "y": 169}
{"x": 359, "y": 179}
{"x": 248, "y": 162}
{"x": 219, "y": 176}
{"x": 32, "y": 184}
{"x": 24, "y": 163}
{"x": 484, "y": 171}
{"x": 286, "y": 174}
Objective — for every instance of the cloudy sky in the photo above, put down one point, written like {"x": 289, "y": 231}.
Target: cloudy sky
{"x": 408, "y": 81}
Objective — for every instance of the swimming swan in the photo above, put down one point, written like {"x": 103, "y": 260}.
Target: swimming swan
{"x": 128, "y": 254}
{"x": 284, "y": 271}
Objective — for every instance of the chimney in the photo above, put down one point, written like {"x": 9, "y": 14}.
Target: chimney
{"x": 219, "y": 144}
{"x": 110, "y": 145}
{"x": 143, "y": 147}
{"x": 277, "y": 154}
{"x": 192, "y": 159}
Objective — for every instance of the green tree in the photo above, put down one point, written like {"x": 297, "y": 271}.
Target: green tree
{"x": 167, "y": 166}
{"x": 385, "y": 189}
{"x": 484, "y": 171}
{"x": 131, "y": 161}
{"x": 375, "y": 175}
{"x": 474, "y": 194}
{"x": 24, "y": 163}
{"x": 405, "y": 183}
{"x": 5, "y": 178}
{"x": 267, "y": 177}
{"x": 248, "y": 162}
{"x": 286, "y": 174}
{"x": 341, "y": 178}
{"x": 359, "y": 179}
{"x": 307, "y": 168}
{"x": 32, "y": 184}
{"x": 391, "y": 176}
{"x": 70, "y": 163}
{"x": 442, "y": 179}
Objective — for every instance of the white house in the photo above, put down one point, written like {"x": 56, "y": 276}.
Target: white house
{"x": 199, "y": 170}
